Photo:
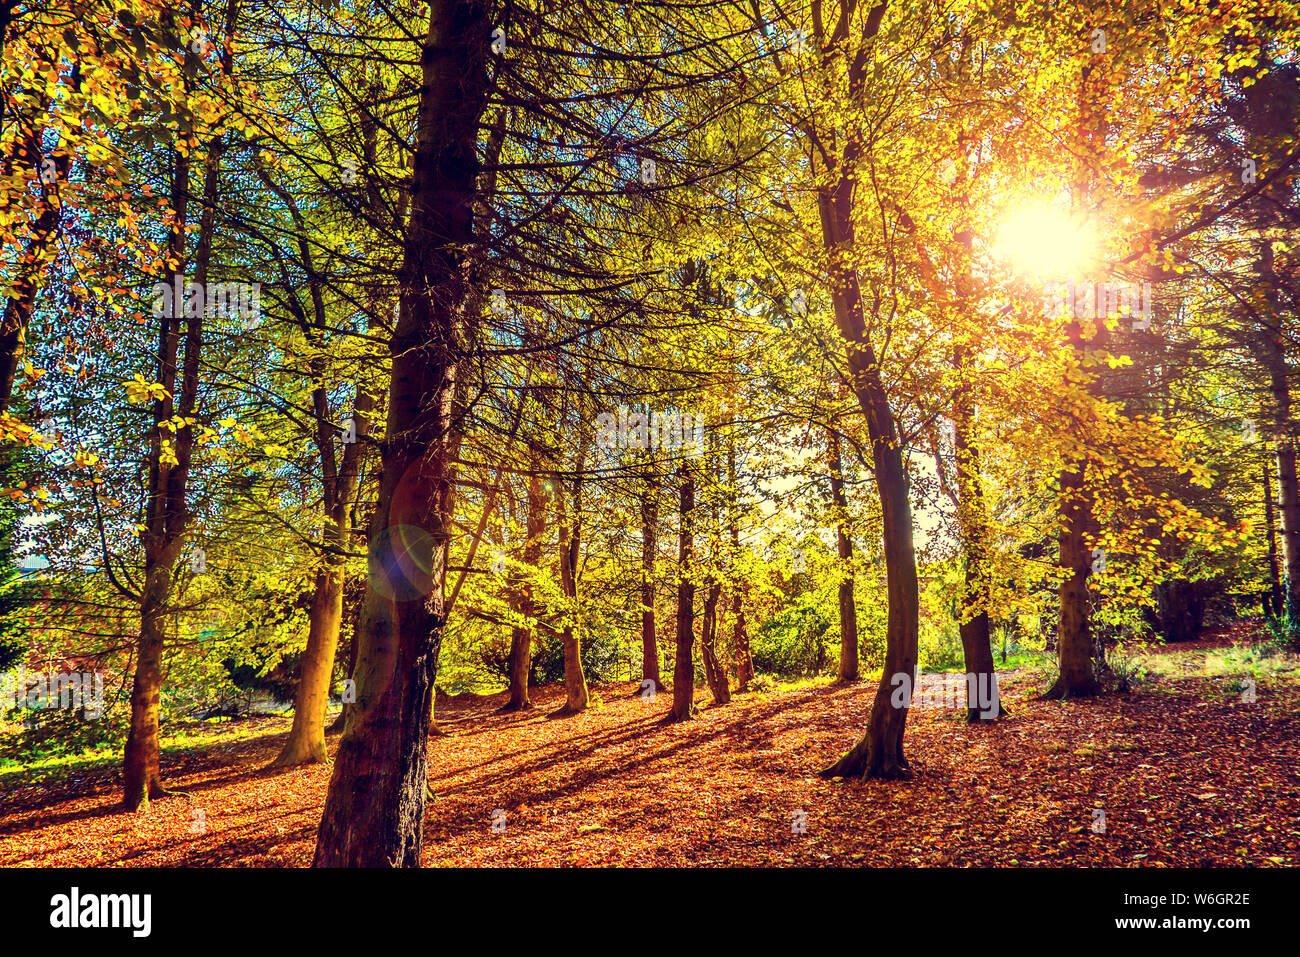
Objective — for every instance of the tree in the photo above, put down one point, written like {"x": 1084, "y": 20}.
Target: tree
{"x": 683, "y": 708}
{"x": 375, "y": 807}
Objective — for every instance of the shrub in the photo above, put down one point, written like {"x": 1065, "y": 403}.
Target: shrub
{"x": 800, "y": 640}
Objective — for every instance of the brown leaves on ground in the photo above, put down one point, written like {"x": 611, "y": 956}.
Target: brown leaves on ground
{"x": 1185, "y": 772}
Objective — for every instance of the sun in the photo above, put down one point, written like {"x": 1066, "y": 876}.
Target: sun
{"x": 1042, "y": 241}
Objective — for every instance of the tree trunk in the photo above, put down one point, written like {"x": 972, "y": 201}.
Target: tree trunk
{"x": 649, "y": 542}
{"x": 1075, "y": 650}
{"x": 714, "y": 673}
{"x": 740, "y": 632}
{"x": 1287, "y": 486}
{"x": 740, "y": 640}
{"x": 341, "y": 721}
{"x": 976, "y": 641}
{"x": 374, "y": 811}
{"x": 1074, "y": 641}
{"x": 522, "y": 636}
{"x": 167, "y": 514}
{"x": 844, "y": 549}
{"x": 306, "y": 741}
{"x": 31, "y": 268}
{"x": 575, "y": 681}
{"x": 1269, "y": 117}
{"x": 140, "y": 764}
{"x": 1270, "y": 528}
{"x": 684, "y": 664}
{"x": 339, "y": 484}
{"x": 879, "y": 753}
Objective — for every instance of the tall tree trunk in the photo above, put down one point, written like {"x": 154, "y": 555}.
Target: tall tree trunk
{"x": 844, "y": 549}
{"x": 140, "y": 771}
{"x": 1288, "y": 487}
{"x": 976, "y": 641}
{"x": 684, "y": 664}
{"x": 1077, "y": 678}
{"x": 649, "y": 543}
{"x": 1272, "y": 109}
{"x": 879, "y": 753}
{"x": 306, "y": 741}
{"x": 1075, "y": 649}
{"x": 1270, "y": 528}
{"x": 522, "y": 636}
{"x": 740, "y": 631}
{"x": 339, "y": 485}
{"x": 167, "y": 515}
{"x": 575, "y": 681}
{"x": 374, "y": 811}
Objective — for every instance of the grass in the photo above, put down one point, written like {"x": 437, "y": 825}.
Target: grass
{"x": 178, "y": 737}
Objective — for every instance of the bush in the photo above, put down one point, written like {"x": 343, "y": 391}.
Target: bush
{"x": 940, "y": 645}
{"x": 604, "y": 657}
{"x": 800, "y": 640}
{"x": 762, "y": 684}
{"x": 1126, "y": 670}
{"x": 60, "y": 732}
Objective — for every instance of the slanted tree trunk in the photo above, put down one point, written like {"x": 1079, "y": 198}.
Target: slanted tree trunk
{"x": 684, "y": 664}
{"x": 879, "y": 753}
{"x": 714, "y": 673}
{"x": 306, "y": 741}
{"x": 844, "y": 549}
{"x": 374, "y": 811}
{"x": 339, "y": 486}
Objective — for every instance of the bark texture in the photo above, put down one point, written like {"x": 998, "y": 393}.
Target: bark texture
{"x": 374, "y": 811}
{"x": 684, "y": 664}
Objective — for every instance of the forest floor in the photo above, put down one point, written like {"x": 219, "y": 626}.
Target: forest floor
{"x": 1184, "y": 771}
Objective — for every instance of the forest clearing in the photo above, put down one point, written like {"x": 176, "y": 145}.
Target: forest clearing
{"x": 1187, "y": 775}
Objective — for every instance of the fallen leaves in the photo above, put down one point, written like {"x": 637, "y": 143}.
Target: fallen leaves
{"x": 1179, "y": 787}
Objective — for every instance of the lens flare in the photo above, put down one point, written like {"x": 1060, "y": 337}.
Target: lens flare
{"x": 1040, "y": 241}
